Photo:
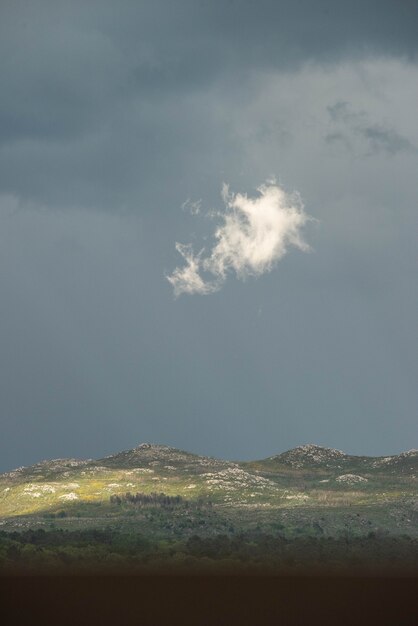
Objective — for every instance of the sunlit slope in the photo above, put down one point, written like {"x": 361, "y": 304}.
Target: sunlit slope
{"x": 306, "y": 483}
{"x": 147, "y": 468}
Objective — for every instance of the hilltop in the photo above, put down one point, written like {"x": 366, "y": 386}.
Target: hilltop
{"x": 313, "y": 457}
{"x": 307, "y": 488}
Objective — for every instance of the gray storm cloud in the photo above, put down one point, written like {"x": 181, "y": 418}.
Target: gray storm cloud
{"x": 253, "y": 235}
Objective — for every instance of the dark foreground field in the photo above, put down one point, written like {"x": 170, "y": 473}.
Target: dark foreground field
{"x": 107, "y": 577}
{"x": 207, "y": 600}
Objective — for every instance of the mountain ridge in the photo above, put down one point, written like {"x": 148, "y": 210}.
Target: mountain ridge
{"x": 307, "y": 487}
{"x": 298, "y": 456}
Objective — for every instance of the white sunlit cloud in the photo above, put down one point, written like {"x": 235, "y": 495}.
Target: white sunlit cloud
{"x": 253, "y": 235}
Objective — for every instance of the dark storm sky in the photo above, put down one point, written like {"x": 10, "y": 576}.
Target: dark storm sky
{"x": 115, "y": 117}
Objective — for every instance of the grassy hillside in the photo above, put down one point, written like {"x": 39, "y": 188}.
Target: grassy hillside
{"x": 310, "y": 490}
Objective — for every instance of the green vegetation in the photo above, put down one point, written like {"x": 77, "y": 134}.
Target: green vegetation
{"x": 153, "y": 506}
{"x": 110, "y": 551}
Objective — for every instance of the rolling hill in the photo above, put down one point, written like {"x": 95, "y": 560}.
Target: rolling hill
{"x": 309, "y": 490}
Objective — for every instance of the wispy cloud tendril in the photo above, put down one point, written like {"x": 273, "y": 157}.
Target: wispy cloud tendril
{"x": 253, "y": 235}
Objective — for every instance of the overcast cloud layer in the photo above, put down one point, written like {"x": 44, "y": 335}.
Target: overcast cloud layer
{"x": 118, "y": 126}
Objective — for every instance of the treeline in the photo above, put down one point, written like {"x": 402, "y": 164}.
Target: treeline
{"x": 108, "y": 549}
{"x": 147, "y": 499}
